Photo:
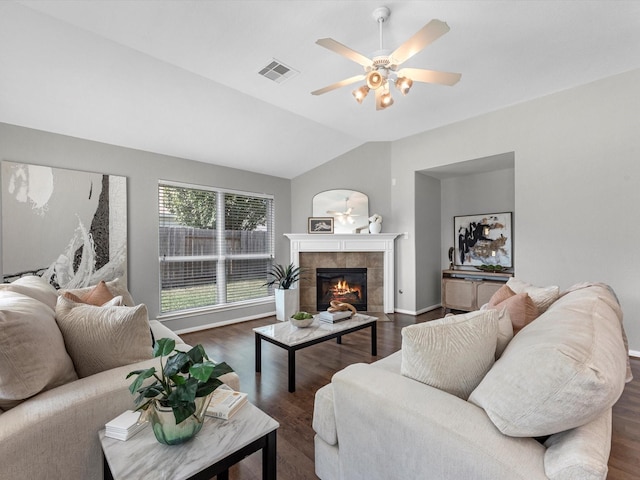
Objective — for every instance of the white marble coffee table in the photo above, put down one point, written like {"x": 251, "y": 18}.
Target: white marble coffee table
{"x": 219, "y": 445}
{"x": 291, "y": 338}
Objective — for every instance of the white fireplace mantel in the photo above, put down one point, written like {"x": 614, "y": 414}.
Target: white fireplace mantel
{"x": 381, "y": 242}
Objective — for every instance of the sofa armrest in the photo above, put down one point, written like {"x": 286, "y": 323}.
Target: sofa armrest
{"x": 160, "y": 331}
{"x": 324, "y": 420}
{"x": 581, "y": 452}
{"x": 59, "y": 428}
{"x": 421, "y": 429}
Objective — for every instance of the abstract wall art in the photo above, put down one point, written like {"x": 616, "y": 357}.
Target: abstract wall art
{"x": 483, "y": 240}
{"x": 68, "y": 226}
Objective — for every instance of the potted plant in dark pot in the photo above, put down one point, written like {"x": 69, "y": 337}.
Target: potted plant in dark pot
{"x": 284, "y": 278}
{"x": 176, "y": 400}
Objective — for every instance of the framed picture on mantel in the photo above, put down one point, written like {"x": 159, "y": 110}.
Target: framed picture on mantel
{"x": 320, "y": 225}
{"x": 484, "y": 239}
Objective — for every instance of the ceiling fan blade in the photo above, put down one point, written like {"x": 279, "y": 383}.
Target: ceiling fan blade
{"x": 430, "y": 76}
{"x": 341, "y": 83}
{"x": 423, "y": 37}
{"x": 345, "y": 51}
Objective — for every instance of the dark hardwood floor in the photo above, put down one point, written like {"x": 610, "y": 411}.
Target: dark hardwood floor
{"x": 314, "y": 368}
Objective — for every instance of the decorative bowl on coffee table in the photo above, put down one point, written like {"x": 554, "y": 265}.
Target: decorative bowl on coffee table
{"x": 301, "y": 319}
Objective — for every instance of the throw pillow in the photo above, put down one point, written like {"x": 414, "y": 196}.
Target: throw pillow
{"x": 505, "y": 331}
{"x": 98, "y": 295}
{"x": 32, "y": 352}
{"x": 502, "y": 294}
{"x": 453, "y": 353}
{"x": 101, "y": 338}
{"x": 34, "y": 287}
{"x": 522, "y": 310}
{"x": 116, "y": 287}
{"x": 560, "y": 372}
{"x": 543, "y": 297}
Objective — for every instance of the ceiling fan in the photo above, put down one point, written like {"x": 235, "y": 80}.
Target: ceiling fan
{"x": 382, "y": 69}
{"x": 346, "y": 216}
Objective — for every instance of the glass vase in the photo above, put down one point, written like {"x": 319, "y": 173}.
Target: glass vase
{"x": 164, "y": 426}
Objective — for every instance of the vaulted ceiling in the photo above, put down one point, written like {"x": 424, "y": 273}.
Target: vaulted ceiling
{"x": 180, "y": 77}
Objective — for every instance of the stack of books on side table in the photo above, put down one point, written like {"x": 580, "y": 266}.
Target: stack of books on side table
{"x": 124, "y": 426}
{"x": 333, "y": 317}
{"x": 225, "y": 402}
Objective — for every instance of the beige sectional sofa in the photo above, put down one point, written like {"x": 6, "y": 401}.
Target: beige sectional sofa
{"x": 49, "y": 417}
{"x": 541, "y": 410}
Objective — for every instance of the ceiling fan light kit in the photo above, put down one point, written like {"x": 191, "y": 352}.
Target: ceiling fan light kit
{"x": 360, "y": 93}
{"x": 382, "y": 69}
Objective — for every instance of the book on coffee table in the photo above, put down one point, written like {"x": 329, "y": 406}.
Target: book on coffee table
{"x": 124, "y": 426}
{"x": 225, "y": 402}
{"x": 332, "y": 317}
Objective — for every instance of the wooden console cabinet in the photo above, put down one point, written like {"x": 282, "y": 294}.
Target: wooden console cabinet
{"x": 468, "y": 290}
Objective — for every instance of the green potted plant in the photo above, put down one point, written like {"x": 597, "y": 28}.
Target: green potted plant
{"x": 283, "y": 279}
{"x": 177, "y": 398}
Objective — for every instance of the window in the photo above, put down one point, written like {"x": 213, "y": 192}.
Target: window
{"x": 216, "y": 246}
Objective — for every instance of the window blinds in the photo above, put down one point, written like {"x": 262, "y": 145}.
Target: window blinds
{"x": 216, "y": 246}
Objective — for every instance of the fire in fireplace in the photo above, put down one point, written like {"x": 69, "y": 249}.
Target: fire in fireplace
{"x": 347, "y": 285}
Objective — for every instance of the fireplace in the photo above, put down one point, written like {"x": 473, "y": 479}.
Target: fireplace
{"x": 347, "y": 285}
{"x": 373, "y": 252}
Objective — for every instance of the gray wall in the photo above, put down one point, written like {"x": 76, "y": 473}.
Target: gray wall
{"x": 366, "y": 169}
{"x": 429, "y": 207}
{"x": 576, "y": 186}
{"x": 143, "y": 170}
{"x": 436, "y": 203}
{"x": 491, "y": 192}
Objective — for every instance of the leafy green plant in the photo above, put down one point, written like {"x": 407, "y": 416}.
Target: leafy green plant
{"x": 182, "y": 378}
{"x": 284, "y": 277}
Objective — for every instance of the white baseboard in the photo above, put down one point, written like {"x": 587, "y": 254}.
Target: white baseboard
{"x": 418, "y": 312}
{"x": 225, "y": 322}
{"x": 634, "y": 353}
{"x": 406, "y": 312}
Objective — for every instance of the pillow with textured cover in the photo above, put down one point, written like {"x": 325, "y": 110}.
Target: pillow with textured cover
{"x": 101, "y": 338}
{"x": 505, "y": 331}
{"x": 453, "y": 353}
{"x": 34, "y": 287}
{"x": 543, "y": 297}
{"x": 114, "y": 288}
{"x": 560, "y": 372}
{"x": 33, "y": 357}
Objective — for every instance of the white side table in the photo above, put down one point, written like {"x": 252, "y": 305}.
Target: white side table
{"x": 219, "y": 445}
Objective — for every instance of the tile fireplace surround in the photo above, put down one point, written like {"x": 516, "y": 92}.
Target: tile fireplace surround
{"x": 375, "y": 252}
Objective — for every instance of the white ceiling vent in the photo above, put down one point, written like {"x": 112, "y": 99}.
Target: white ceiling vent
{"x": 278, "y": 71}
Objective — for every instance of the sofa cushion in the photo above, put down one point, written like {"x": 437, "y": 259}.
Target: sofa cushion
{"x": 34, "y": 287}
{"x": 32, "y": 352}
{"x": 453, "y": 353}
{"x": 560, "y": 372}
{"x": 522, "y": 310}
{"x": 100, "y": 338}
{"x": 543, "y": 297}
{"x": 115, "y": 287}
